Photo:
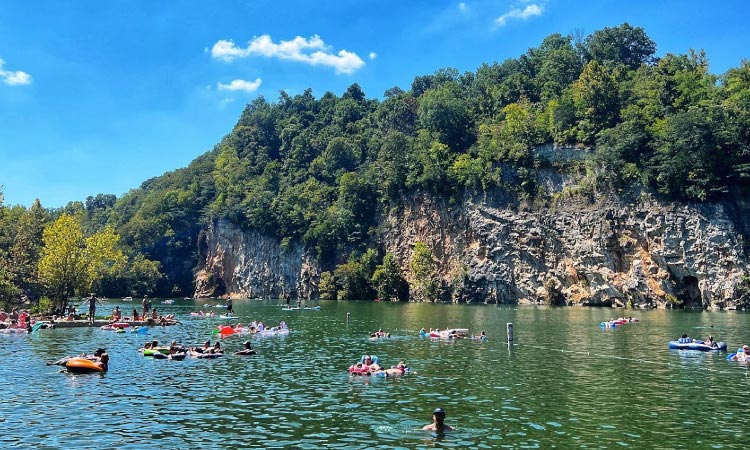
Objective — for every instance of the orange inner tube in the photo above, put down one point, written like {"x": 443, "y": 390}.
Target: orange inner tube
{"x": 83, "y": 365}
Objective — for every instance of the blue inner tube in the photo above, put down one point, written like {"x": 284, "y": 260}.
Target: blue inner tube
{"x": 699, "y": 346}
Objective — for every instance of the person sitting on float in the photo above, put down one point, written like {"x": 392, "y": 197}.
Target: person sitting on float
{"x": 710, "y": 341}
{"x": 370, "y": 363}
{"x": 205, "y": 349}
{"x": 116, "y": 314}
{"x": 102, "y": 359}
{"x": 684, "y": 339}
{"x": 398, "y": 369}
{"x": 742, "y": 354}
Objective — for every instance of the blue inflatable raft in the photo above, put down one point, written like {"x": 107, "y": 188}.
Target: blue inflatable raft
{"x": 689, "y": 344}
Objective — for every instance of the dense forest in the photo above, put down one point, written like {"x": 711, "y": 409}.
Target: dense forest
{"x": 322, "y": 172}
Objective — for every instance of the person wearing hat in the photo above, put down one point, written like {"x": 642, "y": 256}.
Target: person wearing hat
{"x": 438, "y": 425}
{"x": 248, "y": 350}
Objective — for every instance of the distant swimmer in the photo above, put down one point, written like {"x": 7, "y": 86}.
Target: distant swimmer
{"x": 438, "y": 425}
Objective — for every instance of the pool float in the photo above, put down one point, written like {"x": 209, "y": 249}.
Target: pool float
{"x": 273, "y": 331}
{"x": 115, "y": 326}
{"x": 227, "y": 330}
{"x": 360, "y": 368}
{"x": 450, "y": 333}
{"x": 13, "y": 330}
{"x": 206, "y": 355}
{"x": 156, "y": 351}
{"x": 41, "y": 325}
{"x": 689, "y": 344}
{"x": 83, "y": 365}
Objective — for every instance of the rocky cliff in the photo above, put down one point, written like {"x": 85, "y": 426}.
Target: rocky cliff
{"x": 648, "y": 253}
{"x": 248, "y": 265}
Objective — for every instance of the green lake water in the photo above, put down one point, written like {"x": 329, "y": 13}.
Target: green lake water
{"x": 564, "y": 383}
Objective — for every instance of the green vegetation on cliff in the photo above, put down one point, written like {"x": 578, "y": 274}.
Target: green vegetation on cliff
{"x": 323, "y": 171}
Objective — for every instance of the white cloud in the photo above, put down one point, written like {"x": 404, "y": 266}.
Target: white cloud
{"x": 373, "y": 55}
{"x": 13, "y": 78}
{"x": 311, "y": 51}
{"x": 462, "y": 7}
{"x": 240, "y": 85}
{"x": 532, "y": 10}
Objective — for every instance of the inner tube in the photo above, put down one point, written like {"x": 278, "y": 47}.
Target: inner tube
{"x": 83, "y": 365}
{"x": 698, "y": 345}
{"x": 245, "y": 352}
{"x": 205, "y": 355}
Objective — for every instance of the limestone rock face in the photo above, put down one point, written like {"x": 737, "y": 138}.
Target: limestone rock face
{"x": 247, "y": 264}
{"x": 648, "y": 254}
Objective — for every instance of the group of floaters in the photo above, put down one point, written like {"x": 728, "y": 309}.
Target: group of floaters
{"x": 686, "y": 343}
{"x": 452, "y": 333}
{"x": 369, "y": 365}
{"x": 613, "y": 323}
{"x": 19, "y": 322}
{"x": 380, "y": 334}
{"x": 179, "y": 352}
{"x": 254, "y": 327}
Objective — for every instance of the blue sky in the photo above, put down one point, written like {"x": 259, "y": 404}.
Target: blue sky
{"x": 97, "y": 97}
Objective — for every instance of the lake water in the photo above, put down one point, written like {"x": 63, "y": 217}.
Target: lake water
{"x": 565, "y": 383}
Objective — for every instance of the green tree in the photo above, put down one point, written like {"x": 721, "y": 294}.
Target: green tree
{"x": 596, "y": 99}
{"x": 444, "y": 113}
{"x": 327, "y": 286}
{"x": 353, "y": 277}
{"x": 556, "y": 64}
{"x": 72, "y": 263}
{"x": 624, "y": 44}
{"x": 389, "y": 281}
{"x": 422, "y": 267}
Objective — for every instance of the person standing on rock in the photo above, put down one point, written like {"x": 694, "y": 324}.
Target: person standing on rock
{"x": 146, "y": 303}
{"x": 92, "y": 306}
